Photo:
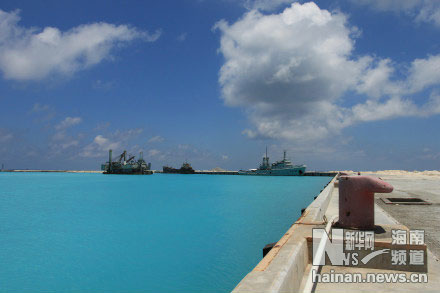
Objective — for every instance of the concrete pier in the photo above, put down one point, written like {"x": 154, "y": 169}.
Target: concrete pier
{"x": 287, "y": 267}
{"x": 319, "y": 173}
{"x": 209, "y": 172}
{"x": 217, "y": 172}
{"x": 415, "y": 216}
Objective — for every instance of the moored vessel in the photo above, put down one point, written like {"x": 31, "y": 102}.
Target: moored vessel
{"x": 123, "y": 166}
{"x": 279, "y": 168}
{"x": 185, "y": 169}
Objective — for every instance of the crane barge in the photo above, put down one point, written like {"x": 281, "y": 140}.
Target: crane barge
{"x": 123, "y": 166}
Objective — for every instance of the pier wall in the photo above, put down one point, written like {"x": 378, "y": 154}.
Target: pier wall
{"x": 217, "y": 172}
{"x": 283, "y": 268}
{"x": 317, "y": 173}
{"x": 308, "y": 173}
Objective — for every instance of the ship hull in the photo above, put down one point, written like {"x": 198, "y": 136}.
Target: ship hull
{"x": 126, "y": 169}
{"x": 177, "y": 171}
{"x": 147, "y": 172}
{"x": 168, "y": 170}
{"x": 297, "y": 171}
{"x": 124, "y": 166}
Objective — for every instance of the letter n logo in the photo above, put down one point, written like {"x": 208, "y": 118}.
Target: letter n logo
{"x": 322, "y": 246}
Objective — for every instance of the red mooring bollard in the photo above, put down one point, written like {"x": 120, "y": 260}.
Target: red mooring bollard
{"x": 356, "y": 200}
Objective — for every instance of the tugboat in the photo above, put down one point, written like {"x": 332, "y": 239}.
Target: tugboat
{"x": 279, "y": 168}
{"x": 185, "y": 169}
{"x": 124, "y": 166}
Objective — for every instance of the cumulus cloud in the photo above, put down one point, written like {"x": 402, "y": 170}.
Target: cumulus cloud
{"x": 99, "y": 145}
{"x": 102, "y": 85}
{"x": 375, "y": 82}
{"x": 424, "y": 73}
{"x": 432, "y": 107}
{"x": 174, "y": 155}
{"x": 39, "y": 108}
{"x": 419, "y": 10}
{"x": 115, "y": 141}
{"x": 68, "y": 122}
{"x": 156, "y": 138}
{"x": 154, "y": 152}
{"x": 105, "y": 143}
{"x": 70, "y": 144}
{"x": 61, "y": 140}
{"x": 392, "y": 108}
{"x": 102, "y": 126}
{"x": 285, "y": 68}
{"x": 33, "y": 54}
{"x": 294, "y": 70}
{"x": 43, "y": 112}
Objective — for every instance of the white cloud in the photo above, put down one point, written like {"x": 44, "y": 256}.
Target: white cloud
{"x": 61, "y": 140}
{"x": 69, "y": 144}
{"x": 115, "y": 141}
{"x": 432, "y": 107}
{"x": 102, "y": 85}
{"x": 294, "y": 70}
{"x": 267, "y": 53}
{"x": 154, "y": 152}
{"x": 375, "y": 82}
{"x": 43, "y": 112}
{"x": 421, "y": 74}
{"x": 419, "y": 10}
{"x": 39, "y": 108}
{"x": 105, "y": 143}
{"x": 68, "y": 122}
{"x": 424, "y": 73}
{"x": 392, "y": 108}
{"x": 174, "y": 155}
{"x": 156, "y": 138}
{"x": 285, "y": 68}
{"x": 34, "y": 54}
{"x": 249, "y": 133}
{"x": 99, "y": 146}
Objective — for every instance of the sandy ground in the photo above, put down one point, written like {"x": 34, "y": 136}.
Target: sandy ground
{"x": 403, "y": 173}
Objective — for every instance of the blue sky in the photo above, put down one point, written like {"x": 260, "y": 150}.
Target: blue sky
{"x": 339, "y": 84}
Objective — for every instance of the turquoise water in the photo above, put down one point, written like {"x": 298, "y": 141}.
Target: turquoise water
{"x": 164, "y": 232}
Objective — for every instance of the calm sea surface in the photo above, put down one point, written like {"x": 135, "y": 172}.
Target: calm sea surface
{"x": 112, "y": 233}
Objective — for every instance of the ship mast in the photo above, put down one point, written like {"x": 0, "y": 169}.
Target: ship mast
{"x": 266, "y": 160}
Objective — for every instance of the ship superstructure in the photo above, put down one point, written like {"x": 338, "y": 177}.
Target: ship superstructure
{"x": 279, "y": 168}
{"x": 122, "y": 165}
